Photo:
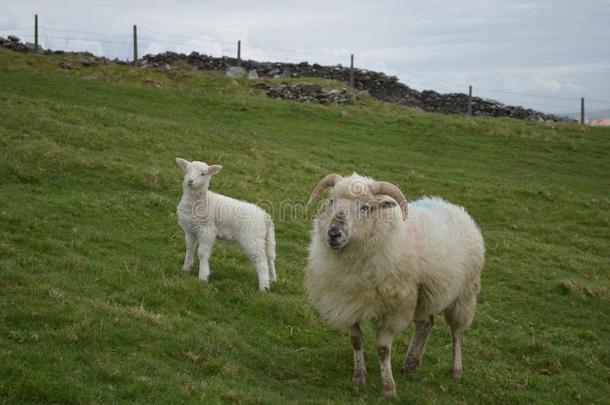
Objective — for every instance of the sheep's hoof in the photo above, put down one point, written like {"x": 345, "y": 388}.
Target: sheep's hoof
{"x": 455, "y": 374}
{"x": 186, "y": 269}
{"x": 389, "y": 389}
{"x": 359, "y": 377}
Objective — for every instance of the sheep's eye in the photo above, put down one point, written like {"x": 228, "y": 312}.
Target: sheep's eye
{"x": 203, "y": 174}
{"x": 331, "y": 201}
{"x": 364, "y": 207}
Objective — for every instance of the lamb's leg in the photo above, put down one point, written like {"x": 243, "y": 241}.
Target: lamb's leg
{"x": 384, "y": 350}
{"x": 270, "y": 251}
{"x": 206, "y": 242}
{"x": 272, "y": 274}
{"x": 262, "y": 270}
{"x": 418, "y": 345}
{"x": 255, "y": 250}
{"x": 191, "y": 244}
{"x": 359, "y": 366}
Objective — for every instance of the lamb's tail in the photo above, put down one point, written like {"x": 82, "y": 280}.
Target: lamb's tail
{"x": 270, "y": 249}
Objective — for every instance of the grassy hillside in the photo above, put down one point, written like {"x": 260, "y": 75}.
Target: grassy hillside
{"x": 94, "y": 307}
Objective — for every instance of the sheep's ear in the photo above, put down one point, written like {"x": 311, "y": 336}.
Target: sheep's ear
{"x": 214, "y": 169}
{"x": 182, "y": 163}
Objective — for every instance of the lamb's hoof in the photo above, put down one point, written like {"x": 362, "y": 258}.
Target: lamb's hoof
{"x": 359, "y": 377}
{"x": 186, "y": 269}
{"x": 410, "y": 366}
{"x": 455, "y": 374}
{"x": 389, "y": 389}
{"x": 203, "y": 279}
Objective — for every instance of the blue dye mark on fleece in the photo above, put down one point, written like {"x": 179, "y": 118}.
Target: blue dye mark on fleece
{"x": 428, "y": 203}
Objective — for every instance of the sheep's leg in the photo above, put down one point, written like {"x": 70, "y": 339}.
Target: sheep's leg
{"x": 272, "y": 274}
{"x": 257, "y": 254}
{"x": 456, "y": 369}
{"x": 359, "y": 366}
{"x": 270, "y": 251}
{"x": 262, "y": 269}
{"x": 418, "y": 345}
{"x": 191, "y": 244}
{"x": 205, "y": 250}
{"x": 459, "y": 317}
{"x": 384, "y": 350}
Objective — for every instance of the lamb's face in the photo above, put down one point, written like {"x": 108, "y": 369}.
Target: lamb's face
{"x": 352, "y": 214}
{"x": 197, "y": 174}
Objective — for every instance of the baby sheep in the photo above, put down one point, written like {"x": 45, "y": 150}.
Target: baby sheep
{"x": 205, "y": 215}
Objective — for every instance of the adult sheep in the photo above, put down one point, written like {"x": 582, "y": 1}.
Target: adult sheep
{"x": 375, "y": 257}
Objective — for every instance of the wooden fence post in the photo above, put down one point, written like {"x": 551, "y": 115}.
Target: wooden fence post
{"x": 351, "y": 71}
{"x": 238, "y": 52}
{"x": 36, "y": 32}
{"x": 469, "y": 100}
{"x": 135, "y": 44}
{"x": 582, "y": 111}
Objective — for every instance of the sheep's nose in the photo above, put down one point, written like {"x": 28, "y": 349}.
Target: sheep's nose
{"x": 335, "y": 237}
{"x": 190, "y": 182}
{"x": 334, "y": 233}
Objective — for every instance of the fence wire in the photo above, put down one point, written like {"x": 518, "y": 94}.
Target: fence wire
{"x": 120, "y": 46}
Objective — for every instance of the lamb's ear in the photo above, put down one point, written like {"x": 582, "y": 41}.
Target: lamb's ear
{"x": 182, "y": 163}
{"x": 214, "y": 169}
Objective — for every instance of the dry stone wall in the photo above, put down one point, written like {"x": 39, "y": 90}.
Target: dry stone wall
{"x": 377, "y": 84}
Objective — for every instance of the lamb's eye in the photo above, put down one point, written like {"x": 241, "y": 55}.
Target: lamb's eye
{"x": 203, "y": 174}
{"x": 364, "y": 207}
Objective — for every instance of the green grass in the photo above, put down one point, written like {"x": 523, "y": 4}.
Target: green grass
{"x": 94, "y": 307}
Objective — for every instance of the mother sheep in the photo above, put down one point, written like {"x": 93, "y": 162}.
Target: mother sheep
{"x": 375, "y": 257}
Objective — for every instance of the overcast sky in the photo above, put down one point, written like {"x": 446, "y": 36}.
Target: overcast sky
{"x": 507, "y": 49}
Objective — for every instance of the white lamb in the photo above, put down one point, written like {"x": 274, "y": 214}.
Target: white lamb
{"x": 375, "y": 257}
{"x": 205, "y": 216}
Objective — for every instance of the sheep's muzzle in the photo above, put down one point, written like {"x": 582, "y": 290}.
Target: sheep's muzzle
{"x": 336, "y": 235}
{"x": 335, "y": 238}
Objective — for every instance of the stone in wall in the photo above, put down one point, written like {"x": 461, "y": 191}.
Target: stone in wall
{"x": 306, "y": 92}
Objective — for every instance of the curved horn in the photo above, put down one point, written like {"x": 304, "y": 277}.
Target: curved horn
{"x": 389, "y": 189}
{"x": 328, "y": 181}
